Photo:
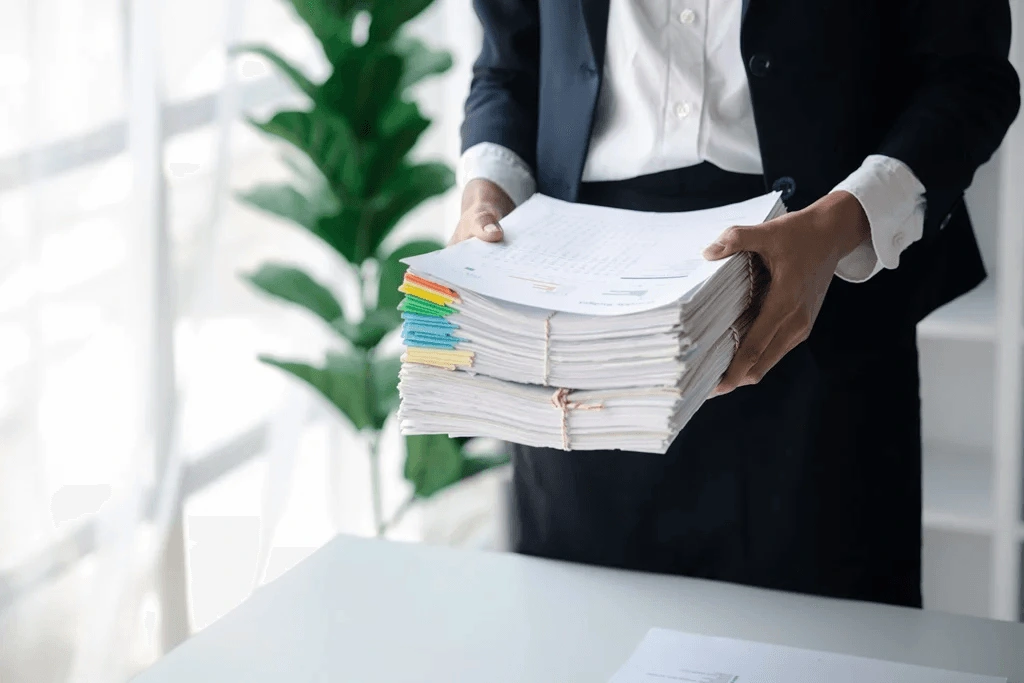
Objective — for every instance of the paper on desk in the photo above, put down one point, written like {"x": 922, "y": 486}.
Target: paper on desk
{"x": 592, "y": 260}
{"x": 665, "y": 656}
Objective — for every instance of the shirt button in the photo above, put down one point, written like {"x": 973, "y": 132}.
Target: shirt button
{"x": 897, "y": 240}
{"x": 687, "y": 16}
{"x": 760, "y": 65}
{"x": 683, "y": 110}
{"x": 786, "y": 185}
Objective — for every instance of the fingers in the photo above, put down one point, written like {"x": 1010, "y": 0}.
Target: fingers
{"x": 754, "y": 344}
{"x": 786, "y": 339}
{"x": 756, "y": 356}
{"x": 489, "y": 232}
{"x": 735, "y": 240}
{"x": 482, "y": 224}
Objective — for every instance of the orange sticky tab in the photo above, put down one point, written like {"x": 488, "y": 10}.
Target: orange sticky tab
{"x": 425, "y": 294}
{"x": 433, "y": 286}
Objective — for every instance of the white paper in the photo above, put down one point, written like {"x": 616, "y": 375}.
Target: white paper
{"x": 664, "y": 656}
{"x": 577, "y": 258}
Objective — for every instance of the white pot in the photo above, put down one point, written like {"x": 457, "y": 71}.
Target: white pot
{"x": 470, "y": 514}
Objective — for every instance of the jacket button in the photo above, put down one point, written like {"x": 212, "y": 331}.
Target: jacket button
{"x": 760, "y": 65}
{"x": 785, "y": 185}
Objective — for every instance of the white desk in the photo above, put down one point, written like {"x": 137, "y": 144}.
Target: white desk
{"x": 365, "y": 611}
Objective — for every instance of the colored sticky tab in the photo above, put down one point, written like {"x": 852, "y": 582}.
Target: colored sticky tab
{"x": 416, "y": 326}
{"x": 414, "y": 305}
{"x": 433, "y": 286}
{"x": 428, "y": 344}
{"x": 412, "y": 336}
{"x": 449, "y": 360}
{"x": 416, "y": 338}
{"x": 425, "y": 294}
{"x": 429, "y": 321}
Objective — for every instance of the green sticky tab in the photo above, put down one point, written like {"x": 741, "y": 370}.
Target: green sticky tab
{"x": 414, "y": 304}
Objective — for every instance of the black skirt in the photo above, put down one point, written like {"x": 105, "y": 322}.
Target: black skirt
{"x": 809, "y": 481}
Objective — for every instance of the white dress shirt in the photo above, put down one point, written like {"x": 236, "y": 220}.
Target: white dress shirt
{"x": 675, "y": 94}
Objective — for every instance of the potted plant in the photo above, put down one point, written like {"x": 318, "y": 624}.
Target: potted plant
{"x": 352, "y": 185}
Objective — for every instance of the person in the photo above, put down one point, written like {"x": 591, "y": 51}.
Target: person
{"x": 871, "y": 118}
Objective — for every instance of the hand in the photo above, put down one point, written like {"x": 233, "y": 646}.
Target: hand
{"x": 801, "y": 251}
{"x": 484, "y": 204}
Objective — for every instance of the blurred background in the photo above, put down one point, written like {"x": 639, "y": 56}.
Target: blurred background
{"x": 153, "y": 472}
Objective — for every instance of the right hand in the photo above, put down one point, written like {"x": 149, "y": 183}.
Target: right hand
{"x": 484, "y": 204}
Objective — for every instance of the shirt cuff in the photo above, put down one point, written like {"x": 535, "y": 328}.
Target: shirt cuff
{"x": 501, "y": 166}
{"x": 893, "y": 200}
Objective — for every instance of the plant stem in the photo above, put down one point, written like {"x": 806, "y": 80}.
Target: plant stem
{"x": 375, "y": 492}
{"x": 400, "y": 513}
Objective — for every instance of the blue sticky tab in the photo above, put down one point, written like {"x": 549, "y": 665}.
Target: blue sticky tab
{"x": 432, "y": 321}
{"x": 440, "y": 338}
{"x": 426, "y": 330}
{"x": 424, "y": 344}
{"x": 433, "y": 338}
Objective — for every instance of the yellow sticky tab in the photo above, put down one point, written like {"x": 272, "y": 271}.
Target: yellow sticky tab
{"x": 425, "y": 294}
{"x": 434, "y": 363}
{"x": 439, "y": 358}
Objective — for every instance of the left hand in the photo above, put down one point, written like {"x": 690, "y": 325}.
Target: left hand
{"x": 801, "y": 251}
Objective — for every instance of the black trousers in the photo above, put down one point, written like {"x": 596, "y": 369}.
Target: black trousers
{"x": 809, "y": 481}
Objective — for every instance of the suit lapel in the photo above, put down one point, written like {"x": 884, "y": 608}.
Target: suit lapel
{"x": 595, "y": 17}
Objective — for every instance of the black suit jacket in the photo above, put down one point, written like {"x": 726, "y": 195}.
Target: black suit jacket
{"x": 832, "y": 81}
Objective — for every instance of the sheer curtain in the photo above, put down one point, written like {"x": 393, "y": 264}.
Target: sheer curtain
{"x": 151, "y": 470}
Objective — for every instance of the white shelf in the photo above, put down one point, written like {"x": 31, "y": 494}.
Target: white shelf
{"x": 969, "y": 318}
{"x": 957, "y": 489}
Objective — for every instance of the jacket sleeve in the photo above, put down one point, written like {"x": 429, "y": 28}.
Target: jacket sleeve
{"x": 963, "y": 95}
{"x": 502, "y": 103}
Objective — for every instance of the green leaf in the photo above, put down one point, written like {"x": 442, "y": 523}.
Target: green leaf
{"x": 341, "y": 231}
{"x": 286, "y": 202}
{"x": 361, "y": 87}
{"x": 328, "y": 19}
{"x": 392, "y": 270}
{"x": 284, "y": 66}
{"x": 432, "y": 462}
{"x": 329, "y": 143}
{"x": 480, "y": 463}
{"x": 407, "y": 189}
{"x": 293, "y": 285}
{"x": 371, "y": 330}
{"x": 390, "y": 15}
{"x": 384, "y": 379}
{"x": 420, "y": 60}
{"x": 400, "y": 128}
{"x": 344, "y": 381}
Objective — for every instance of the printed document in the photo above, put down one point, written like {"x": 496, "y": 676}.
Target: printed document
{"x": 665, "y": 656}
{"x": 592, "y": 260}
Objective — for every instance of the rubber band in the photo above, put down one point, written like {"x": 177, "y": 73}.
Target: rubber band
{"x": 560, "y": 400}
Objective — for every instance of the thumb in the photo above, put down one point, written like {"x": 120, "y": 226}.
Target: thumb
{"x": 733, "y": 241}
{"x": 488, "y": 231}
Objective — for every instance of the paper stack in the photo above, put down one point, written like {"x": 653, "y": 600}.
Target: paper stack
{"x": 587, "y": 328}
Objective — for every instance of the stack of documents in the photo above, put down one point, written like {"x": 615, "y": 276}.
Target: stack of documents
{"x": 587, "y": 328}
